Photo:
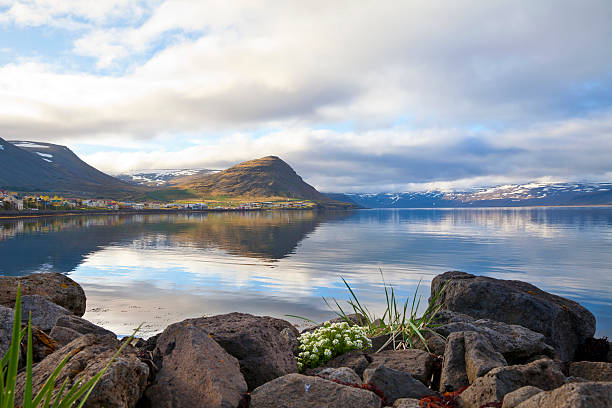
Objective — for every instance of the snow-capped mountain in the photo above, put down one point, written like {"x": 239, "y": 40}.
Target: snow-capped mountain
{"x": 39, "y": 166}
{"x": 499, "y": 196}
{"x": 160, "y": 178}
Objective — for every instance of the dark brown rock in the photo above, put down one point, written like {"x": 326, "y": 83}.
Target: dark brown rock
{"x": 300, "y": 391}
{"x": 574, "y": 395}
{"x": 480, "y": 357}
{"x": 565, "y": 323}
{"x": 592, "y": 371}
{"x": 395, "y": 384}
{"x": 120, "y": 387}
{"x": 195, "y": 370}
{"x": 263, "y": 352}
{"x": 56, "y": 287}
{"x": 492, "y": 387}
{"x": 454, "y": 373}
{"x": 419, "y": 364}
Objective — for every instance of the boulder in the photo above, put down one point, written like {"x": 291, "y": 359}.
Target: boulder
{"x": 44, "y": 312}
{"x": 120, "y": 387}
{"x": 6, "y": 328}
{"x": 419, "y": 364}
{"x": 592, "y": 371}
{"x": 516, "y": 343}
{"x": 565, "y": 323}
{"x": 195, "y": 370}
{"x": 56, "y": 287}
{"x": 342, "y": 374}
{"x": 292, "y": 339}
{"x": 263, "y": 352}
{"x": 573, "y": 395}
{"x": 480, "y": 357}
{"x": 492, "y": 387}
{"x": 301, "y": 391}
{"x": 514, "y": 398}
{"x": 354, "y": 359}
{"x": 395, "y": 384}
{"x": 69, "y": 327}
{"x": 42, "y": 344}
{"x": 454, "y": 373}
{"x": 406, "y": 403}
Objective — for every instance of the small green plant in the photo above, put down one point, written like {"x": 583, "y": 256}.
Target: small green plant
{"x": 399, "y": 320}
{"x": 329, "y": 341}
{"x": 78, "y": 393}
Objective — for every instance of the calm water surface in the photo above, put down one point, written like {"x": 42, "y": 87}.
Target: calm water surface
{"x": 160, "y": 269}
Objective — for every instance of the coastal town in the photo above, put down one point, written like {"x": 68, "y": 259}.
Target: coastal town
{"x": 14, "y": 201}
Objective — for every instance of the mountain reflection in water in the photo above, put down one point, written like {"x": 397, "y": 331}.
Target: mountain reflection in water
{"x": 166, "y": 267}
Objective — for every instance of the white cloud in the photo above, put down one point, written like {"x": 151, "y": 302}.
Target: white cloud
{"x": 242, "y": 68}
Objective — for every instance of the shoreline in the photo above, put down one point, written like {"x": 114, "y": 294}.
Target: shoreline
{"x": 9, "y": 215}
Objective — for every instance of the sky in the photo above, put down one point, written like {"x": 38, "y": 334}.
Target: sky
{"x": 357, "y": 96}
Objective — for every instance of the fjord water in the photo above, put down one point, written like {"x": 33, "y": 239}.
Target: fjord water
{"x": 162, "y": 268}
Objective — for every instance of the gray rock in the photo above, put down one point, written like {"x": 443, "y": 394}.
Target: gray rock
{"x": 406, "y": 403}
{"x": 511, "y": 400}
{"x": 454, "y": 374}
{"x": 516, "y": 343}
{"x": 44, "y": 312}
{"x": 342, "y": 374}
{"x": 492, "y": 387}
{"x": 354, "y": 359}
{"x": 300, "y": 391}
{"x": 121, "y": 386}
{"x": 69, "y": 327}
{"x": 292, "y": 339}
{"x": 574, "y": 395}
{"x": 195, "y": 370}
{"x": 56, "y": 287}
{"x": 6, "y": 328}
{"x": 480, "y": 357}
{"x": 263, "y": 353}
{"x": 565, "y": 323}
{"x": 395, "y": 384}
{"x": 592, "y": 371}
{"x": 419, "y": 364}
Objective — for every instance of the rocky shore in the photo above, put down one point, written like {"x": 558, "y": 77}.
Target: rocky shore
{"x": 498, "y": 343}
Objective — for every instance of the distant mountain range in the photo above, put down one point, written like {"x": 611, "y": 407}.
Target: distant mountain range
{"x": 37, "y": 166}
{"x": 45, "y": 167}
{"x": 533, "y": 194}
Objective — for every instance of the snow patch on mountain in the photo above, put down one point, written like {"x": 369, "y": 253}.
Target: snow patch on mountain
{"x": 31, "y": 145}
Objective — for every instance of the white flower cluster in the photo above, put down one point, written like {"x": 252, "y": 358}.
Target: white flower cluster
{"x": 329, "y": 341}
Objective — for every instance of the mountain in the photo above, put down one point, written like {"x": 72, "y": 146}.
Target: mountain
{"x": 37, "y": 166}
{"x": 266, "y": 177}
{"x": 516, "y": 195}
{"x": 159, "y": 178}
